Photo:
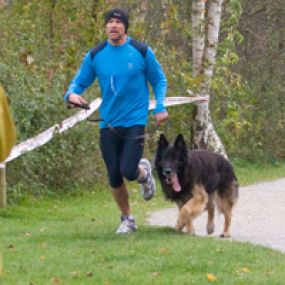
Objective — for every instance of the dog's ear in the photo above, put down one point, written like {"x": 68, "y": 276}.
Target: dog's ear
{"x": 180, "y": 142}
{"x": 162, "y": 142}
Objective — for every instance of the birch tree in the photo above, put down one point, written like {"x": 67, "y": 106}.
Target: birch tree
{"x": 206, "y": 18}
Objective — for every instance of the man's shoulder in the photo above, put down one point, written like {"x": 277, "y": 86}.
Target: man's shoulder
{"x": 140, "y": 46}
{"x": 95, "y": 50}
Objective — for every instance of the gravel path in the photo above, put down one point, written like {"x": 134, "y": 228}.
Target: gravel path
{"x": 259, "y": 216}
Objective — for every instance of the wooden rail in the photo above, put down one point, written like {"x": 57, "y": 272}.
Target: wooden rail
{"x": 68, "y": 123}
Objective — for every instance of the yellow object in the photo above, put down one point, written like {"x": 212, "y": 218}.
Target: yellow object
{"x": 212, "y": 277}
{"x": 7, "y": 128}
{"x": 245, "y": 270}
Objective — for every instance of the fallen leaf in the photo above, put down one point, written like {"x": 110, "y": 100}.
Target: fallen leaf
{"x": 211, "y": 277}
{"x": 74, "y": 274}
{"x": 44, "y": 245}
{"x": 30, "y": 59}
{"x": 219, "y": 250}
{"x": 163, "y": 250}
{"x": 89, "y": 274}
{"x": 155, "y": 273}
{"x": 55, "y": 280}
{"x": 245, "y": 270}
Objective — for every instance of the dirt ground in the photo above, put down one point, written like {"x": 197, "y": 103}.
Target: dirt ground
{"x": 258, "y": 218}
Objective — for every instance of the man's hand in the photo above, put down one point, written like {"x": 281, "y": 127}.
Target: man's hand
{"x": 77, "y": 100}
{"x": 161, "y": 117}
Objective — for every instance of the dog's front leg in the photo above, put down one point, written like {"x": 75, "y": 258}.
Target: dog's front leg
{"x": 185, "y": 218}
{"x": 193, "y": 208}
{"x": 181, "y": 220}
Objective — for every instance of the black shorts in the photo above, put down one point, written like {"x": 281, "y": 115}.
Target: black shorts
{"x": 122, "y": 155}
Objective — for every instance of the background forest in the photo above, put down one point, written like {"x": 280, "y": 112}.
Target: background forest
{"x": 42, "y": 43}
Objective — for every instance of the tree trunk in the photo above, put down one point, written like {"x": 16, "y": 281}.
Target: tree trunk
{"x": 198, "y": 34}
{"x": 203, "y": 131}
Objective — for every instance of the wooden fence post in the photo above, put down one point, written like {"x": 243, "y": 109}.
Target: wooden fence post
{"x": 3, "y": 196}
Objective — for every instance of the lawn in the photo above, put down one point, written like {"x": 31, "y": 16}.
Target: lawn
{"x": 70, "y": 239}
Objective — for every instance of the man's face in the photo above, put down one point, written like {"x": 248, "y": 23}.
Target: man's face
{"x": 115, "y": 30}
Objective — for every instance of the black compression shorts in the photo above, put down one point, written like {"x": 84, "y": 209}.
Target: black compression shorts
{"x": 122, "y": 152}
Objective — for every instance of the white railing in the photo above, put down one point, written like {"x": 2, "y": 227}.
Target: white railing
{"x": 68, "y": 123}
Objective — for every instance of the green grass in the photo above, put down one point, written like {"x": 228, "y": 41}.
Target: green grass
{"x": 250, "y": 173}
{"x": 71, "y": 240}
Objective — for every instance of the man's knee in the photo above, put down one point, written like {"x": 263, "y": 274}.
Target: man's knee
{"x": 115, "y": 183}
{"x": 130, "y": 174}
{"x": 115, "y": 179}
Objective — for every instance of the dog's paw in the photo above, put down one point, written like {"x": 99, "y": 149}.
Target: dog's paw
{"x": 210, "y": 229}
{"x": 225, "y": 235}
{"x": 179, "y": 228}
{"x": 190, "y": 230}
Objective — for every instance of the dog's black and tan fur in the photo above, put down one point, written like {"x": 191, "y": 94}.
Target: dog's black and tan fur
{"x": 196, "y": 180}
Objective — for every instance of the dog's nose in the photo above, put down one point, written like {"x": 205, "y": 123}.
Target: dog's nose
{"x": 167, "y": 171}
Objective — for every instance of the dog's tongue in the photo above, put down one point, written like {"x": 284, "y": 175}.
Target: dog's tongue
{"x": 175, "y": 183}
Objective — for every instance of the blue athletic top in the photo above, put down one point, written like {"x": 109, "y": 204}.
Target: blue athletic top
{"x": 123, "y": 73}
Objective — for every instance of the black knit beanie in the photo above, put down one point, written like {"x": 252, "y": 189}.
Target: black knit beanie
{"x": 119, "y": 14}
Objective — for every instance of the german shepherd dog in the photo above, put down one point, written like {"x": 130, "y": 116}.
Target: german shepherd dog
{"x": 196, "y": 180}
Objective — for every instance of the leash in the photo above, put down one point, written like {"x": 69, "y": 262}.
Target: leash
{"x": 98, "y": 120}
{"x": 86, "y": 107}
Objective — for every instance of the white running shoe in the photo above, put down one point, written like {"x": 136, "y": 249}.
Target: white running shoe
{"x": 148, "y": 183}
{"x": 128, "y": 225}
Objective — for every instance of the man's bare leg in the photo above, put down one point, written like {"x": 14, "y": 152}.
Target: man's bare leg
{"x": 121, "y": 197}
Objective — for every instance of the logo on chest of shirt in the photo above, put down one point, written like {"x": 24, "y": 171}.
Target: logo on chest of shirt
{"x": 130, "y": 65}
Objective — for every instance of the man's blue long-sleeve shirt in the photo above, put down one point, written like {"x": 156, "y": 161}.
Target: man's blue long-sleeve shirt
{"x": 123, "y": 73}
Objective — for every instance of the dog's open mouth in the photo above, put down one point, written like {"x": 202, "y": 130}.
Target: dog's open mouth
{"x": 173, "y": 180}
